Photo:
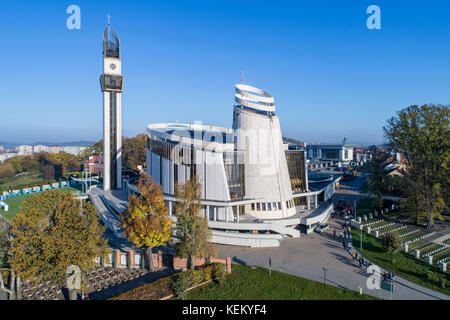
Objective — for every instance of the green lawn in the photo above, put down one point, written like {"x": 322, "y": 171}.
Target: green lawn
{"x": 15, "y": 204}
{"x": 403, "y": 264}
{"x": 246, "y": 283}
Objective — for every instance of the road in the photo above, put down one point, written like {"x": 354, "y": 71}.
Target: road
{"x": 308, "y": 255}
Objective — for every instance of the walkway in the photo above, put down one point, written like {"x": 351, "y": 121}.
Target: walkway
{"x": 307, "y": 256}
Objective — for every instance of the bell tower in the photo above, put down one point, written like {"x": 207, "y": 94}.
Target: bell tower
{"x": 111, "y": 82}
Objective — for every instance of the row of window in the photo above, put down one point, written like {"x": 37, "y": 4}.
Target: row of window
{"x": 272, "y": 206}
{"x": 123, "y": 259}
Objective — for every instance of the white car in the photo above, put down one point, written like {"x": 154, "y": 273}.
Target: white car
{"x": 321, "y": 228}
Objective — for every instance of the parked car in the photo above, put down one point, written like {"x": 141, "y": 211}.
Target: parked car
{"x": 321, "y": 228}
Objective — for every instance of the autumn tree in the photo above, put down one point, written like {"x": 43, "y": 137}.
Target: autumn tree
{"x": 6, "y": 173}
{"x": 146, "y": 220}
{"x": 53, "y": 232}
{"x": 192, "y": 229}
{"x": 422, "y": 134}
{"x": 134, "y": 151}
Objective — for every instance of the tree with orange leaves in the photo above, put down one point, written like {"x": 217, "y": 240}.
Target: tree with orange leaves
{"x": 146, "y": 220}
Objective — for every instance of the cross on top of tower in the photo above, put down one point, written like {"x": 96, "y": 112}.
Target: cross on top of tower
{"x": 109, "y": 19}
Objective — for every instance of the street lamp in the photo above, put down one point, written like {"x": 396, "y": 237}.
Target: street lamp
{"x": 324, "y": 274}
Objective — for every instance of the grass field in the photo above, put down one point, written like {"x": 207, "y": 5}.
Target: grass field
{"x": 15, "y": 204}
{"x": 403, "y": 264}
{"x": 246, "y": 283}
{"x": 28, "y": 180}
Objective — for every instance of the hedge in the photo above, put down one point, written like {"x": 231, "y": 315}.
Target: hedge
{"x": 163, "y": 287}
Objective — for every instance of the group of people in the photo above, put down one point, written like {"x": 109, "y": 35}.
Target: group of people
{"x": 388, "y": 276}
{"x": 344, "y": 208}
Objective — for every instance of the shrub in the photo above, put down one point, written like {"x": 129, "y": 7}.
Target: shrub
{"x": 181, "y": 282}
{"x": 218, "y": 272}
{"x": 391, "y": 243}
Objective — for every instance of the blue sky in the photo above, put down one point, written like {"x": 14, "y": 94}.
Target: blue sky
{"x": 329, "y": 74}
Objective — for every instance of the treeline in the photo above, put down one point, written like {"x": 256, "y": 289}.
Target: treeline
{"x": 50, "y": 166}
{"x": 422, "y": 135}
{"x": 133, "y": 152}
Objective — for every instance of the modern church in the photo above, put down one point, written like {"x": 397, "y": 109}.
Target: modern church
{"x": 255, "y": 188}
{"x": 244, "y": 170}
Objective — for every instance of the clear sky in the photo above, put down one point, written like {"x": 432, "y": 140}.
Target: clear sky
{"x": 330, "y": 75}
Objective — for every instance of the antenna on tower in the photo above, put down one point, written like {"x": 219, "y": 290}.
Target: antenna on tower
{"x": 109, "y": 19}
{"x": 242, "y": 76}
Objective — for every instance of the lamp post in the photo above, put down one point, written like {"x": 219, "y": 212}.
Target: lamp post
{"x": 360, "y": 239}
{"x": 324, "y": 275}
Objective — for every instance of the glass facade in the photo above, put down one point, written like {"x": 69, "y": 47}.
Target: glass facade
{"x": 296, "y": 166}
{"x": 111, "y": 82}
{"x": 330, "y": 154}
{"x": 111, "y": 43}
{"x": 235, "y": 171}
{"x": 113, "y": 137}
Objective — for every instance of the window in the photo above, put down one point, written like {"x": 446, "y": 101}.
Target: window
{"x": 253, "y": 207}
{"x": 263, "y": 207}
{"x": 279, "y": 205}
{"x": 274, "y": 206}
{"x": 137, "y": 259}
{"x": 123, "y": 259}
{"x": 258, "y": 208}
{"x": 269, "y": 206}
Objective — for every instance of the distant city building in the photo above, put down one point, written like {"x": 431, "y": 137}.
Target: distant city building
{"x": 94, "y": 164}
{"x": 72, "y": 149}
{"x": 24, "y": 150}
{"x": 330, "y": 152}
{"x": 40, "y": 148}
{"x": 1, "y": 148}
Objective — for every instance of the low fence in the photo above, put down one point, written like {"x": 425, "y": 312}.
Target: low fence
{"x": 139, "y": 260}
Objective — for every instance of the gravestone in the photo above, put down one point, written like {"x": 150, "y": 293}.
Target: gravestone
{"x": 358, "y": 219}
{"x": 377, "y": 234}
{"x": 430, "y": 260}
{"x": 368, "y": 230}
{"x": 376, "y": 214}
{"x": 406, "y": 247}
{"x": 443, "y": 266}
{"x": 370, "y": 215}
{"x": 365, "y": 217}
{"x": 393, "y": 207}
{"x": 417, "y": 253}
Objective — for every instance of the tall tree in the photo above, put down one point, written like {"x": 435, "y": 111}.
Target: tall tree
{"x": 422, "y": 134}
{"x": 54, "y": 231}
{"x": 146, "y": 220}
{"x": 134, "y": 151}
{"x": 377, "y": 178}
{"x": 192, "y": 229}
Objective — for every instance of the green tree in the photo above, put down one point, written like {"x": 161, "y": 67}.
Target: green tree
{"x": 54, "y": 231}
{"x": 391, "y": 243}
{"x": 134, "y": 151}
{"x": 6, "y": 173}
{"x": 422, "y": 134}
{"x": 146, "y": 220}
{"x": 192, "y": 229}
{"x": 375, "y": 183}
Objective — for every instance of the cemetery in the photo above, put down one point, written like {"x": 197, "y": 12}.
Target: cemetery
{"x": 423, "y": 251}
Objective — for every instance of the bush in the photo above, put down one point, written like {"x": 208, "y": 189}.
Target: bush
{"x": 218, "y": 272}
{"x": 181, "y": 282}
{"x": 391, "y": 243}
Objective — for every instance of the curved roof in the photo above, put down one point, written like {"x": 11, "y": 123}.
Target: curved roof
{"x": 111, "y": 43}
{"x": 254, "y": 98}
